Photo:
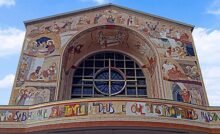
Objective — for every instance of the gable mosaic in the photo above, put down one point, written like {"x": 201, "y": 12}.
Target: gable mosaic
{"x": 108, "y": 67}
{"x": 169, "y": 50}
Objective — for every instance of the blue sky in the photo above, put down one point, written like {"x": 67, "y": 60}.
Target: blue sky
{"x": 204, "y": 14}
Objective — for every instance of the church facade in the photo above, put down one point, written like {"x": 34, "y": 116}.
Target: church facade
{"x": 108, "y": 69}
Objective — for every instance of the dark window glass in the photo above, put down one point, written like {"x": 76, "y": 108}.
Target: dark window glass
{"x": 112, "y": 63}
{"x": 76, "y": 90}
{"x": 79, "y": 72}
{"x": 131, "y": 91}
{"x": 119, "y": 57}
{"x": 81, "y": 65}
{"x": 106, "y": 63}
{"x": 141, "y": 81}
{"x": 99, "y": 63}
{"x": 129, "y": 83}
{"x": 123, "y": 92}
{"x": 130, "y": 72}
{"x": 131, "y": 78}
{"x": 119, "y": 64}
{"x": 139, "y": 73}
{"x": 100, "y": 56}
{"x": 89, "y": 63}
{"x": 123, "y": 70}
{"x": 87, "y": 82}
{"x": 88, "y": 72}
{"x": 142, "y": 91}
{"x": 96, "y": 70}
{"x": 129, "y": 64}
{"x": 109, "y": 55}
{"x": 179, "y": 98}
{"x": 87, "y": 90}
{"x": 126, "y": 58}
{"x": 77, "y": 80}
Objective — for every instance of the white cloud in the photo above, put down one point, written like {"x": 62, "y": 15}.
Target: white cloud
{"x": 214, "y": 11}
{"x": 207, "y": 42}
{"x": 214, "y": 8}
{"x": 11, "y": 40}
{"x": 7, "y": 2}
{"x": 7, "y": 81}
{"x": 208, "y": 49}
{"x": 6, "y": 84}
{"x": 99, "y": 2}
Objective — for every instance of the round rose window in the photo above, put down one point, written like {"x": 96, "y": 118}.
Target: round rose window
{"x": 109, "y": 81}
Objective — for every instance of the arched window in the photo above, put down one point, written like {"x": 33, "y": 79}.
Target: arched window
{"x": 177, "y": 93}
{"x": 108, "y": 74}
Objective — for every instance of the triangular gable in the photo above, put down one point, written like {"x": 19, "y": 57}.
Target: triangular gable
{"x": 95, "y": 8}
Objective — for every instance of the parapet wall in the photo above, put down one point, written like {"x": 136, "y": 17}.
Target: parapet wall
{"x": 113, "y": 111}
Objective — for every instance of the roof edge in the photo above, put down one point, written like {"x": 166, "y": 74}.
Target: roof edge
{"x": 103, "y": 6}
{"x": 27, "y": 22}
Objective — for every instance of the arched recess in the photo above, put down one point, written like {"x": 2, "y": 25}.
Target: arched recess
{"x": 110, "y": 38}
{"x": 177, "y": 93}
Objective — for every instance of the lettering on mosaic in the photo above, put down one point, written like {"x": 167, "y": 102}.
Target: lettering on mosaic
{"x": 97, "y": 109}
